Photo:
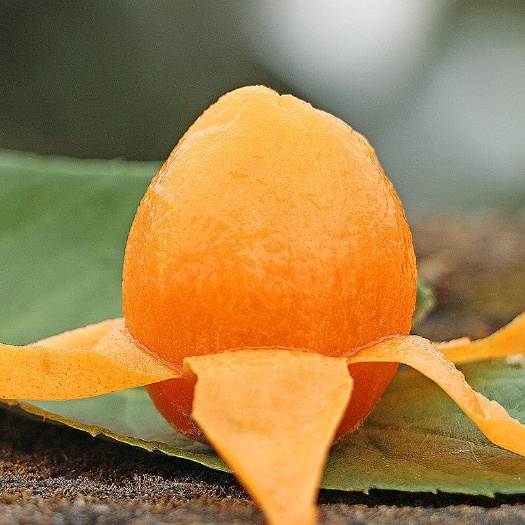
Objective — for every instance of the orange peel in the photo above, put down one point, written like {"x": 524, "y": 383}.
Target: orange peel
{"x": 489, "y": 416}
{"x": 85, "y": 362}
{"x": 280, "y": 460}
{"x": 504, "y": 342}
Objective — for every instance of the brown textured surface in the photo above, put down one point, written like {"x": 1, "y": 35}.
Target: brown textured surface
{"x": 53, "y": 475}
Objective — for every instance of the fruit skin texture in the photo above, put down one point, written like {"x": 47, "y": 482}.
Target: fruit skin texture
{"x": 271, "y": 224}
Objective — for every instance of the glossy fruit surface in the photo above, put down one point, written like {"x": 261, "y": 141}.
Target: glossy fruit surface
{"x": 271, "y": 224}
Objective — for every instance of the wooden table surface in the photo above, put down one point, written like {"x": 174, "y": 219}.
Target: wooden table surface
{"x": 57, "y": 476}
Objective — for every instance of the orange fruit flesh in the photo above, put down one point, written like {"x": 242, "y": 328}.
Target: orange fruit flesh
{"x": 271, "y": 224}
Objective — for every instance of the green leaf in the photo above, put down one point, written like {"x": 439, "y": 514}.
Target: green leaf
{"x": 425, "y": 302}
{"x": 63, "y": 227}
{"x": 128, "y": 417}
{"x": 416, "y": 440}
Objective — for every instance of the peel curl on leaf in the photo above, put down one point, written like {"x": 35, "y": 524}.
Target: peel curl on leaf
{"x": 103, "y": 357}
{"x": 506, "y": 341}
{"x": 490, "y": 417}
{"x": 245, "y": 422}
{"x": 85, "y": 362}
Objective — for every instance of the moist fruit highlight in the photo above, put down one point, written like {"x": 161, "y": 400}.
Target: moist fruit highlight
{"x": 271, "y": 225}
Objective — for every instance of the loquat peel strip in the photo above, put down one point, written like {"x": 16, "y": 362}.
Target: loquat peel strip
{"x": 86, "y": 362}
{"x": 490, "y": 417}
{"x": 504, "y": 342}
{"x": 272, "y": 414}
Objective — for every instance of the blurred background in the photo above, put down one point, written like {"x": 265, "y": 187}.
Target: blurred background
{"x": 437, "y": 86}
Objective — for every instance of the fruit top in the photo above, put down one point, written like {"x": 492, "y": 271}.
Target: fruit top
{"x": 271, "y": 224}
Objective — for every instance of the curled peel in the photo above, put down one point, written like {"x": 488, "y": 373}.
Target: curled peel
{"x": 506, "y": 341}
{"x": 490, "y": 417}
{"x": 272, "y": 415}
{"x": 86, "y": 362}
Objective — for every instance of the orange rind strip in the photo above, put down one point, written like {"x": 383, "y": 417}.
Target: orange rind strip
{"x": 272, "y": 414}
{"x": 86, "y": 362}
{"x": 424, "y": 356}
{"x": 506, "y": 341}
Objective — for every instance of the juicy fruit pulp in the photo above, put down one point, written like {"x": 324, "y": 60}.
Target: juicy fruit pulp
{"x": 271, "y": 224}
